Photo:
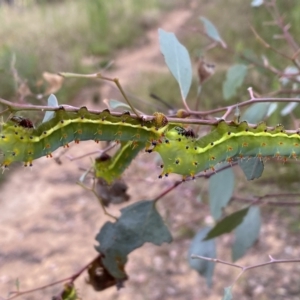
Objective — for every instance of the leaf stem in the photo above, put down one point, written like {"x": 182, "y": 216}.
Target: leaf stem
{"x": 71, "y": 279}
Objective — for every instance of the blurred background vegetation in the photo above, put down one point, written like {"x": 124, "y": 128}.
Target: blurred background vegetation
{"x": 81, "y": 36}
{"x": 70, "y": 35}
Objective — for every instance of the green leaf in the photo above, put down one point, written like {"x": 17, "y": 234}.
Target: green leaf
{"x": 227, "y": 224}
{"x": 221, "y": 187}
{"x": 227, "y": 293}
{"x": 212, "y": 31}
{"x": 177, "y": 59}
{"x": 139, "y": 223}
{"x": 203, "y": 248}
{"x": 234, "y": 79}
{"x": 252, "y": 167}
{"x": 246, "y": 233}
{"x": 256, "y": 113}
{"x": 52, "y": 101}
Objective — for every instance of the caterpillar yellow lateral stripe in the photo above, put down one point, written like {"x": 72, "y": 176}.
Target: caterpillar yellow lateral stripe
{"x": 110, "y": 168}
{"x": 186, "y": 155}
{"x": 181, "y": 151}
{"x": 22, "y": 142}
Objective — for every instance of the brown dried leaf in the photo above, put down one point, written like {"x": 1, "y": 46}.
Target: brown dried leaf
{"x": 54, "y": 82}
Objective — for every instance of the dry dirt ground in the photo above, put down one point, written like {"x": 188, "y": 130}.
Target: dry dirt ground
{"x": 48, "y": 223}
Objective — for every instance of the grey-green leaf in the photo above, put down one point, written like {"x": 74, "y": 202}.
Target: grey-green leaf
{"x": 113, "y": 104}
{"x": 289, "y": 108}
{"x": 227, "y": 224}
{"x": 177, "y": 59}
{"x": 246, "y": 233}
{"x": 203, "y": 248}
{"x": 227, "y": 293}
{"x": 255, "y": 113}
{"x": 212, "y": 31}
{"x": 52, "y": 101}
{"x": 272, "y": 108}
{"x": 252, "y": 167}
{"x": 139, "y": 223}
{"x": 221, "y": 187}
{"x": 234, "y": 79}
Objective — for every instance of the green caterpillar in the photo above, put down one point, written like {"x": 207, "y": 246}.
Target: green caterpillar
{"x": 110, "y": 168}
{"x": 181, "y": 151}
{"x": 22, "y": 142}
{"x": 186, "y": 155}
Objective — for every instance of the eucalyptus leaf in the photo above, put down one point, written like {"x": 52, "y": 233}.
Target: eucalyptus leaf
{"x": 221, "y": 187}
{"x": 113, "y": 104}
{"x": 177, "y": 59}
{"x": 52, "y": 101}
{"x": 212, "y": 31}
{"x": 272, "y": 108}
{"x": 252, "y": 167}
{"x": 257, "y": 3}
{"x": 289, "y": 108}
{"x": 234, "y": 79}
{"x": 227, "y": 293}
{"x": 227, "y": 224}
{"x": 203, "y": 248}
{"x": 256, "y": 113}
{"x": 246, "y": 233}
{"x": 139, "y": 223}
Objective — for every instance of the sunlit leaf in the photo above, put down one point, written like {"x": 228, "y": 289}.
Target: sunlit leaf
{"x": 221, "y": 187}
{"x": 252, "y": 167}
{"x": 227, "y": 224}
{"x": 212, "y": 31}
{"x": 246, "y": 233}
{"x": 272, "y": 108}
{"x": 203, "y": 248}
{"x": 113, "y": 104}
{"x": 234, "y": 79}
{"x": 139, "y": 223}
{"x": 256, "y": 113}
{"x": 227, "y": 293}
{"x": 290, "y": 70}
{"x": 289, "y": 108}
{"x": 177, "y": 59}
{"x": 54, "y": 82}
{"x": 52, "y": 101}
{"x": 256, "y": 3}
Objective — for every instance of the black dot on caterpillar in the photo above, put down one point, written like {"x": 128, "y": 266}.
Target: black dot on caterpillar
{"x": 23, "y": 122}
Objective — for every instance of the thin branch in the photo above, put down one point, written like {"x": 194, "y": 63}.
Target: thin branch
{"x": 71, "y": 279}
{"x": 100, "y": 76}
{"x": 246, "y": 268}
{"x": 97, "y": 196}
{"x": 176, "y": 184}
{"x": 171, "y": 120}
{"x": 261, "y": 199}
{"x": 93, "y": 152}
